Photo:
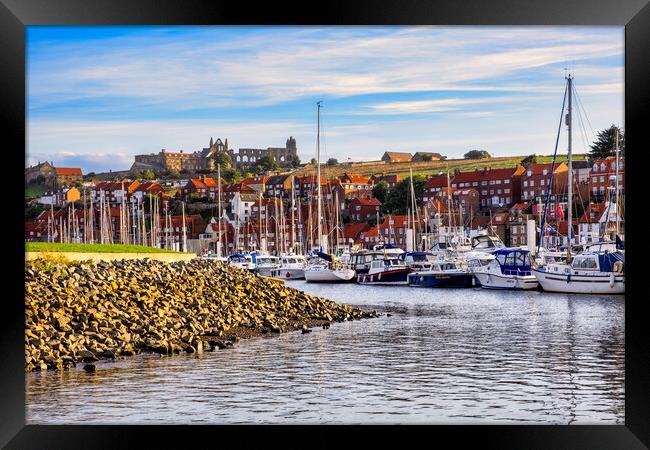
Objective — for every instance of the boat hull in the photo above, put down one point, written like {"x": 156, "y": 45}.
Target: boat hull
{"x": 288, "y": 274}
{"x": 329, "y": 276}
{"x": 265, "y": 271}
{"x": 581, "y": 284}
{"x": 389, "y": 277}
{"x": 423, "y": 279}
{"x": 495, "y": 281}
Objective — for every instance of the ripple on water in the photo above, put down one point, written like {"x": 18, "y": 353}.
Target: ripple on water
{"x": 444, "y": 356}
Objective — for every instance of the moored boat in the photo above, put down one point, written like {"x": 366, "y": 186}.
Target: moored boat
{"x": 327, "y": 269}
{"x": 266, "y": 264}
{"x": 588, "y": 273}
{"x": 509, "y": 269}
{"x": 292, "y": 267}
{"x": 442, "y": 273}
{"x": 386, "y": 271}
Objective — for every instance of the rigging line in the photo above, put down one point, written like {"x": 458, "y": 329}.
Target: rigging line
{"x": 581, "y": 124}
{"x": 585, "y": 111}
{"x": 550, "y": 184}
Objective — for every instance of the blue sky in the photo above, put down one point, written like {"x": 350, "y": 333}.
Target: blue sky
{"x": 96, "y": 96}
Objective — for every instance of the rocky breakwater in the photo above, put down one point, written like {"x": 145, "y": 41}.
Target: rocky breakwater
{"x": 84, "y": 311}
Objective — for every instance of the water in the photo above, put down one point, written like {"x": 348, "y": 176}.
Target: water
{"x": 467, "y": 356}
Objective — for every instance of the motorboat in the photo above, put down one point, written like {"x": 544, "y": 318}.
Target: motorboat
{"x": 328, "y": 269}
{"x": 241, "y": 261}
{"x": 386, "y": 271}
{"x": 265, "y": 264}
{"x": 292, "y": 267}
{"x": 510, "y": 268}
{"x": 590, "y": 272}
{"x": 442, "y": 273}
{"x": 418, "y": 260}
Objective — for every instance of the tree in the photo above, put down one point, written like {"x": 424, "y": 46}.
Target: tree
{"x": 476, "y": 154}
{"x": 224, "y": 159}
{"x": 313, "y": 161}
{"x": 293, "y": 161}
{"x": 332, "y": 162}
{"x": 605, "y": 143}
{"x": 136, "y": 174}
{"x": 529, "y": 160}
{"x": 149, "y": 175}
{"x": 266, "y": 163}
{"x": 380, "y": 190}
{"x": 173, "y": 174}
{"x": 398, "y": 200}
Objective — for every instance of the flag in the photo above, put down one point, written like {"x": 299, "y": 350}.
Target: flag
{"x": 560, "y": 212}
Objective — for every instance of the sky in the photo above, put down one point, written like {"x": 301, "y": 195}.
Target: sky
{"x": 97, "y": 96}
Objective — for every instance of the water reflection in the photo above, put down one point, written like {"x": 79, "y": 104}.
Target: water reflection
{"x": 444, "y": 356}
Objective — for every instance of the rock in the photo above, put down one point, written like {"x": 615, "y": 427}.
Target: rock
{"x": 86, "y": 356}
{"x": 90, "y": 368}
{"x": 326, "y": 325}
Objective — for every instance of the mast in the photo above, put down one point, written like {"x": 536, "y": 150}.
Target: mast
{"x": 618, "y": 230}
{"x": 318, "y": 224}
{"x": 184, "y": 229}
{"x": 413, "y": 239}
{"x": 570, "y": 161}
{"x": 259, "y": 219}
{"x": 219, "y": 209}
{"x": 293, "y": 221}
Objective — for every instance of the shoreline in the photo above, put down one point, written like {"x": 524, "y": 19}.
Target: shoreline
{"x": 83, "y": 312}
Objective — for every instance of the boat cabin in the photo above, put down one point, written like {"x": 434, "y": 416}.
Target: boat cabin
{"x": 485, "y": 242}
{"x": 513, "y": 261}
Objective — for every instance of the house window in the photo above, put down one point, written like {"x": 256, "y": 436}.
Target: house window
{"x": 475, "y": 183}
{"x": 491, "y": 191}
{"x": 483, "y": 192}
{"x": 507, "y": 199}
{"x": 483, "y": 183}
{"x": 506, "y": 181}
{"x": 529, "y": 173}
{"x": 506, "y": 191}
{"x": 498, "y": 182}
{"x": 545, "y": 171}
{"x": 498, "y": 191}
{"x": 602, "y": 179}
{"x": 541, "y": 182}
{"x": 525, "y": 183}
{"x": 532, "y": 183}
{"x": 532, "y": 194}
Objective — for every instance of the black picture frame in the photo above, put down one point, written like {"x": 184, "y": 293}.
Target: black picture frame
{"x": 16, "y": 14}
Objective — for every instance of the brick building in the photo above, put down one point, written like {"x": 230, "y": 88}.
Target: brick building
{"x": 497, "y": 187}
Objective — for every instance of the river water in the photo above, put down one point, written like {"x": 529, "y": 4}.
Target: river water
{"x": 469, "y": 356}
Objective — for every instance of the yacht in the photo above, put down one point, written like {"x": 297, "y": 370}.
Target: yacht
{"x": 265, "y": 264}
{"x": 442, "y": 272}
{"x": 360, "y": 261}
{"x": 386, "y": 271}
{"x": 590, "y": 272}
{"x": 241, "y": 261}
{"x": 508, "y": 269}
{"x": 327, "y": 269}
{"x": 292, "y": 267}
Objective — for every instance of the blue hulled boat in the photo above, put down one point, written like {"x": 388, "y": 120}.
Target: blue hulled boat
{"x": 442, "y": 273}
{"x": 387, "y": 271}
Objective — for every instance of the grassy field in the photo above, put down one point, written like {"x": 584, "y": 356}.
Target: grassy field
{"x": 91, "y": 248}
{"x": 426, "y": 168}
{"x": 35, "y": 190}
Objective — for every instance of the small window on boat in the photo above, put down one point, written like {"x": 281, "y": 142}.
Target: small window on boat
{"x": 521, "y": 259}
{"x": 501, "y": 259}
{"x": 510, "y": 259}
{"x": 585, "y": 263}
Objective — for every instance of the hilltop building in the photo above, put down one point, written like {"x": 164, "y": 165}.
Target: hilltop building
{"x": 205, "y": 159}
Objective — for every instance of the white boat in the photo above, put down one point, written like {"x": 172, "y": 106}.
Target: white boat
{"x": 214, "y": 257}
{"x": 265, "y": 264}
{"x": 327, "y": 269}
{"x": 241, "y": 261}
{"x": 588, "y": 273}
{"x": 509, "y": 268}
{"x": 292, "y": 267}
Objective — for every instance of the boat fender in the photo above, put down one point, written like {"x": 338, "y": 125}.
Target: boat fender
{"x": 618, "y": 267}
{"x": 568, "y": 277}
{"x": 611, "y": 279}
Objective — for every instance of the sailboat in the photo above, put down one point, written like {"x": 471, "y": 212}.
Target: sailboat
{"x": 326, "y": 268}
{"x": 594, "y": 271}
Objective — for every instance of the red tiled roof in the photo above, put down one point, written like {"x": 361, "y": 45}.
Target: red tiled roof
{"x": 436, "y": 181}
{"x": 197, "y": 183}
{"x": 353, "y": 230}
{"x": 366, "y": 201}
{"x": 538, "y": 169}
{"x": 489, "y": 174}
{"x": 68, "y": 171}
